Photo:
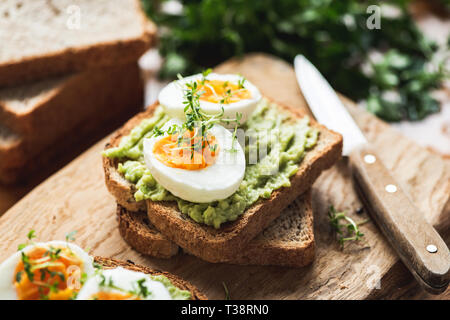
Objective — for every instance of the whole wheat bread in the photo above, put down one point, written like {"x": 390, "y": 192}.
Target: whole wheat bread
{"x": 62, "y": 113}
{"x": 139, "y": 233}
{"x": 109, "y": 263}
{"x": 217, "y": 245}
{"x": 53, "y": 37}
{"x": 288, "y": 241}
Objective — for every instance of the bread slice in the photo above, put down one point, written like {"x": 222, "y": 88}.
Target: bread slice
{"x": 288, "y": 241}
{"x": 48, "y": 38}
{"x": 63, "y": 114}
{"x": 139, "y": 233}
{"x": 109, "y": 263}
{"x": 205, "y": 242}
{"x": 46, "y": 106}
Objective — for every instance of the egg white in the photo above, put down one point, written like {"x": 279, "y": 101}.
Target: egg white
{"x": 171, "y": 98}
{"x": 7, "y": 268}
{"x": 215, "y": 182}
{"x": 126, "y": 280}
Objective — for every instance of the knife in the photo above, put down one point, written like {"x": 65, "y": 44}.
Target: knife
{"x": 416, "y": 242}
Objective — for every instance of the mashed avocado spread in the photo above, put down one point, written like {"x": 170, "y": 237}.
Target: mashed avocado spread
{"x": 175, "y": 293}
{"x": 286, "y": 141}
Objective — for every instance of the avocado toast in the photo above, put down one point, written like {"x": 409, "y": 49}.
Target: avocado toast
{"x": 62, "y": 270}
{"x": 223, "y": 243}
{"x": 109, "y": 263}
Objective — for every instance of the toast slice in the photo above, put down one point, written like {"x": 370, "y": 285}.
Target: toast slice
{"x": 288, "y": 241}
{"x": 109, "y": 263}
{"x": 205, "y": 242}
{"x": 140, "y": 234}
{"x": 63, "y": 114}
{"x": 47, "y": 38}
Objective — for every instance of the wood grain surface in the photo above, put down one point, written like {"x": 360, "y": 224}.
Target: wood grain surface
{"x": 75, "y": 198}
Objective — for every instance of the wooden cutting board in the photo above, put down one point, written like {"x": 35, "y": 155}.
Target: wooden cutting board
{"x": 75, "y": 198}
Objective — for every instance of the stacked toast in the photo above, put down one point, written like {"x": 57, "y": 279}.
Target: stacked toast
{"x": 277, "y": 229}
{"x": 67, "y": 70}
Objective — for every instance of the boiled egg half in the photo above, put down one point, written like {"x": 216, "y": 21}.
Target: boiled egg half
{"x": 123, "y": 284}
{"x": 230, "y": 91}
{"x": 193, "y": 168}
{"x": 49, "y": 270}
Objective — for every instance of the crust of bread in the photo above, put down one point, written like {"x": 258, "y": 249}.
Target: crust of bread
{"x": 109, "y": 263}
{"x": 140, "y": 234}
{"x": 263, "y": 251}
{"x": 208, "y": 243}
{"x": 120, "y": 188}
{"x": 76, "y": 59}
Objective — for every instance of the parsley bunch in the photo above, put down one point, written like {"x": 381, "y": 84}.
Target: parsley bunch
{"x": 332, "y": 34}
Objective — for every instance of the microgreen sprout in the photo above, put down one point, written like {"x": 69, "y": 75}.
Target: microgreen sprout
{"x": 197, "y": 120}
{"x": 241, "y": 82}
{"x": 71, "y": 236}
{"x": 346, "y": 231}
{"x": 139, "y": 291}
{"x": 227, "y": 293}
{"x": 30, "y": 236}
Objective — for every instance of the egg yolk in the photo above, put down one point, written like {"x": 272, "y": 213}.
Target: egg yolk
{"x": 189, "y": 151}
{"x": 217, "y": 91}
{"x": 44, "y": 273}
{"x": 102, "y": 295}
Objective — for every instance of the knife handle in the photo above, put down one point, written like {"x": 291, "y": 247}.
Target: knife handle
{"x": 417, "y": 243}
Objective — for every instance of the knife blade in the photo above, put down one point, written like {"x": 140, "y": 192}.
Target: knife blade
{"x": 416, "y": 242}
{"x": 318, "y": 93}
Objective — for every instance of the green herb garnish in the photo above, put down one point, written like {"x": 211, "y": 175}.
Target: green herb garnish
{"x": 30, "y": 236}
{"x": 348, "y": 231}
{"x": 140, "y": 291}
{"x": 198, "y": 121}
{"x": 71, "y": 236}
{"x": 227, "y": 293}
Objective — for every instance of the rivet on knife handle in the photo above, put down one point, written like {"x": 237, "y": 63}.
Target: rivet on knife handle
{"x": 418, "y": 244}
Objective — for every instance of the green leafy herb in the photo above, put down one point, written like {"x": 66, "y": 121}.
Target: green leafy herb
{"x": 19, "y": 276}
{"x": 71, "y": 236}
{"x": 205, "y": 73}
{"x": 53, "y": 253}
{"x": 97, "y": 266}
{"x": 30, "y": 236}
{"x": 198, "y": 121}
{"x": 332, "y": 34}
{"x": 142, "y": 290}
{"x": 241, "y": 82}
{"x": 27, "y": 266}
{"x": 347, "y": 231}
{"x": 227, "y": 293}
